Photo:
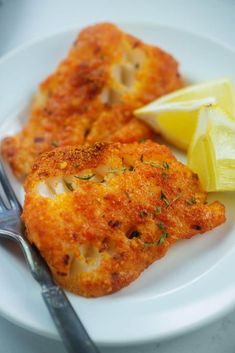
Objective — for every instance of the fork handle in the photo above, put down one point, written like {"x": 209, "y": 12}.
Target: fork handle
{"x": 71, "y": 329}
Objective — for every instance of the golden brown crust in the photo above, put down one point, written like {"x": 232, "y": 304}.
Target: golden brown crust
{"x": 121, "y": 209}
{"x": 92, "y": 95}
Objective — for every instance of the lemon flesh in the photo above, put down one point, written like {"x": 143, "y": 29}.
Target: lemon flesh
{"x": 175, "y": 115}
{"x": 212, "y": 150}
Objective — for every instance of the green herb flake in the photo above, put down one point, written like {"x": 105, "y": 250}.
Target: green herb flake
{"x": 164, "y": 199}
{"x": 85, "y": 177}
{"x": 162, "y": 238}
{"x": 191, "y": 201}
{"x": 148, "y": 244}
{"x": 116, "y": 170}
{"x": 142, "y": 139}
{"x": 55, "y": 143}
{"x": 166, "y": 165}
{"x": 76, "y": 165}
{"x": 161, "y": 226}
{"x": 176, "y": 198}
{"x": 158, "y": 210}
{"x": 69, "y": 185}
{"x": 164, "y": 175}
{"x": 143, "y": 214}
{"x": 153, "y": 164}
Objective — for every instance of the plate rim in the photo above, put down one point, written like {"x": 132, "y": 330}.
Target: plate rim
{"x": 72, "y": 28}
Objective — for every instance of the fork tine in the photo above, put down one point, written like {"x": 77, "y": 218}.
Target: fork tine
{"x": 10, "y": 195}
{"x": 2, "y": 204}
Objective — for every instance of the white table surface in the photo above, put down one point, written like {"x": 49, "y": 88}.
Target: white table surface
{"x": 24, "y": 20}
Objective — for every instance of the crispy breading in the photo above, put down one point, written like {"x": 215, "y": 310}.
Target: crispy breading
{"x": 101, "y": 214}
{"x": 92, "y": 94}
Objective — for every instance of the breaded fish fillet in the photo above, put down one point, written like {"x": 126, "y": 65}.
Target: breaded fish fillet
{"x": 102, "y": 214}
{"x": 92, "y": 94}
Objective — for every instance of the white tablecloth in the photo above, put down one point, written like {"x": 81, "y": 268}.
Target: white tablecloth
{"x": 24, "y": 20}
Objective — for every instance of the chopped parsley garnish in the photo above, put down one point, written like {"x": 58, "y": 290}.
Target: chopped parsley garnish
{"x": 153, "y": 164}
{"x": 191, "y": 201}
{"x": 166, "y": 165}
{"x": 55, "y": 143}
{"x": 117, "y": 170}
{"x": 162, "y": 238}
{"x": 158, "y": 210}
{"x": 143, "y": 139}
{"x": 127, "y": 195}
{"x": 143, "y": 214}
{"x": 164, "y": 199}
{"x": 147, "y": 244}
{"x": 69, "y": 185}
{"x": 164, "y": 175}
{"x": 84, "y": 177}
{"x": 76, "y": 165}
{"x": 114, "y": 223}
{"x": 161, "y": 226}
{"x": 176, "y": 198}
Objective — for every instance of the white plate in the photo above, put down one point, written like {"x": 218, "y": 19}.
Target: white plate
{"x": 192, "y": 284}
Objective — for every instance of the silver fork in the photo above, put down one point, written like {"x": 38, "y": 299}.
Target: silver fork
{"x": 69, "y": 326}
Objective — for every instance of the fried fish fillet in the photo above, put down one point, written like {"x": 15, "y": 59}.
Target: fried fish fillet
{"x": 92, "y": 94}
{"x": 102, "y": 214}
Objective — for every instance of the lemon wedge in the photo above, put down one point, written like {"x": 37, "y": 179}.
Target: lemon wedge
{"x": 175, "y": 115}
{"x": 212, "y": 150}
